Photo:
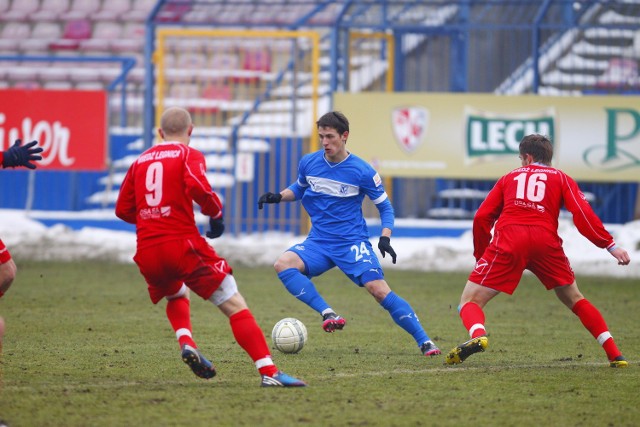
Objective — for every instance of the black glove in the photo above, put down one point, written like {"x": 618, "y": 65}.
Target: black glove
{"x": 216, "y": 228}
{"x": 384, "y": 244}
{"x": 269, "y": 198}
{"x": 18, "y": 155}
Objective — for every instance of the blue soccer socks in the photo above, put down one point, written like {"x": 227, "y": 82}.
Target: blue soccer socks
{"x": 402, "y": 313}
{"x": 302, "y": 288}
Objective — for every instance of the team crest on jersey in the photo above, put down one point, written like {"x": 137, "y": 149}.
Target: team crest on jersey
{"x": 221, "y": 266}
{"x": 409, "y": 126}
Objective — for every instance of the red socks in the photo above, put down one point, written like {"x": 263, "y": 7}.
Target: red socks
{"x": 473, "y": 319}
{"x": 179, "y": 315}
{"x": 595, "y": 324}
{"x": 250, "y": 337}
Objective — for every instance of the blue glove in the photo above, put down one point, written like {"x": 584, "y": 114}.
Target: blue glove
{"x": 216, "y": 228}
{"x": 18, "y": 155}
{"x": 384, "y": 245}
{"x": 269, "y": 198}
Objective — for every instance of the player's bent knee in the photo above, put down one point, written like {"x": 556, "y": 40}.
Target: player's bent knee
{"x": 227, "y": 289}
{"x": 288, "y": 260}
{"x": 184, "y": 291}
{"x": 8, "y": 272}
{"x": 372, "y": 275}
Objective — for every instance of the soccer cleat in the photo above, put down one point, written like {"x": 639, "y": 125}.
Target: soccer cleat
{"x": 466, "y": 349}
{"x": 332, "y": 322}
{"x": 428, "y": 348}
{"x": 619, "y": 362}
{"x": 197, "y": 362}
{"x": 280, "y": 379}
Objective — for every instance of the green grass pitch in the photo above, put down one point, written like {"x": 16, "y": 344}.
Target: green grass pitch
{"x": 85, "y": 347}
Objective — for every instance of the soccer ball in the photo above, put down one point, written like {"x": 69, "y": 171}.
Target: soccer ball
{"x": 289, "y": 335}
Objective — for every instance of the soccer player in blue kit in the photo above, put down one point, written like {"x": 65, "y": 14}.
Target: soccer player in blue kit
{"x": 331, "y": 184}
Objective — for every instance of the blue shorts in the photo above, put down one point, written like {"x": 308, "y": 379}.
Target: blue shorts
{"x": 356, "y": 259}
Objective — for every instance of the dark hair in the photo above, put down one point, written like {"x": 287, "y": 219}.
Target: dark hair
{"x": 539, "y": 146}
{"x": 335, "y": 120}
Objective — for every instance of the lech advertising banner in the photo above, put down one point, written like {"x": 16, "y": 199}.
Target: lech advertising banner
{"x": 71, "y": 126}
{"x": 596, "y": 138}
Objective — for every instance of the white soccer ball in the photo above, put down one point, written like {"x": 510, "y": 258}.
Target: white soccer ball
{"x": 289, "y": 335}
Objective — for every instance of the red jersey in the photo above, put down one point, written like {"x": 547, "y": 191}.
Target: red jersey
{"x": 158, "y": 192}
{"x": 533, "y": 195}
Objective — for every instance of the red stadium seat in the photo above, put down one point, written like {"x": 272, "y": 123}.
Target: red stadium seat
{"x": 74, "y": 32}
{"x": 174, "y": 12}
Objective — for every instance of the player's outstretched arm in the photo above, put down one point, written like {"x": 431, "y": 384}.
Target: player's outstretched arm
{"x": 621, "y": 255}
{"x": 21, "y": 155}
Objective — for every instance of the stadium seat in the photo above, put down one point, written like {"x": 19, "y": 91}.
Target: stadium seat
{"x": 224, "y": 61}
{"x": 11, "y": 35}
{"x": 42, "y": 34}
{"x": 74, "y": 31}
{"x": 20, "y": 10}
{"x": 175, "y": 12}
{"x": 57, "y": 85}
{"x": 27, "y": 85}
{"x": 216, "y": 91}
{"x": 50, "y": 10}
{"x": 622, "y": 72}
{"x": 112, "y": 10}
{"x": 191, "y": 60}
{"x": 263, "y": 14}
{"x": 140, "y": 10}
{"x": 131, "y": 39}
{"x": 81, "y": 9}
{"x": 26, "y": 71}
{"x": 184, "y": 91}
{"x": 104, "y": 33}
{"x": 4, "y": 6}
{"x": 90, "y": 86}
{"x": 258, "y": 60}
{"x": 84, "y": 72}
{"x": 54, "y": 73}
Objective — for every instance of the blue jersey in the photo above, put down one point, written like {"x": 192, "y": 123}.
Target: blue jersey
{"x": 332, "y": 195}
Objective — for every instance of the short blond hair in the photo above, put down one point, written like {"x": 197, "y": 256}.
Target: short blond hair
{"x": 175, "y": 121}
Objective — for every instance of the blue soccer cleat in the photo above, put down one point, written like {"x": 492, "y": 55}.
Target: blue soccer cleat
{"x": 197, "y": 362}
{"x": 280, "y": 379}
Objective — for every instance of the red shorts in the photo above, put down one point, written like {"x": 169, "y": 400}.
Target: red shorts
{"x": 519, "y": 247}
{"x": 166, "y": 266}
{"x": 5, "y": 256}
